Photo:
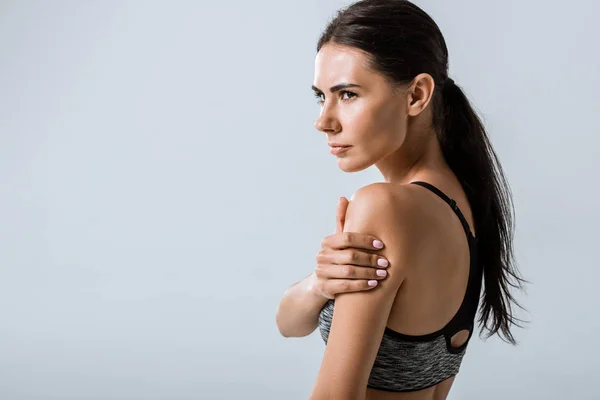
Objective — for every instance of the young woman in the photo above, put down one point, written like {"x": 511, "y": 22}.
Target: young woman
{"x": 444, "y": 214}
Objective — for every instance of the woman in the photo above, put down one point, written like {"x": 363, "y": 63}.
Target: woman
{"x": 444, "y": 214}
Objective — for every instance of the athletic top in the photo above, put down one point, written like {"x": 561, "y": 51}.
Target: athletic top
{"x": 407, "y": 363}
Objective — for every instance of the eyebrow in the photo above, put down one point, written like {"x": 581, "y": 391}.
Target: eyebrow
{"x": 335, "y": 88}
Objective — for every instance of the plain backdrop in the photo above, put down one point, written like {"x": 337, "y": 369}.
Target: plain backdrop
{"x": 162, "y": 184}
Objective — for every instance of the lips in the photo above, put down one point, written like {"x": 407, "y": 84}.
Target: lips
{"x": 333, "y": 144}
{"x": 339, "y": 149}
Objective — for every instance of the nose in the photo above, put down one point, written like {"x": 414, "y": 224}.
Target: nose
{"x": 326, "y": 123}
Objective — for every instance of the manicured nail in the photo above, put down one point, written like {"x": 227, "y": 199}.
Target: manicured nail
{"x": 377, "y": 244}
{"x": 372, "y": 283}
{"x": 382, "y": 262}
{"x": 381, "y": 272}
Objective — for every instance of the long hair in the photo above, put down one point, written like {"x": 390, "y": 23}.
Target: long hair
{"x": 402, "y": 41}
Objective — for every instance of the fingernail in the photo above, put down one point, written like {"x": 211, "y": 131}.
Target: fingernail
{"x": 381, "y": 272}
{"x": 377, "y": 244}
{"x": 382, "y": 262}
{"x": 372, "y": 283}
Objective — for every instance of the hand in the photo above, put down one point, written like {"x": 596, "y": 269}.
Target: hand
{"x": 343, "y": 264}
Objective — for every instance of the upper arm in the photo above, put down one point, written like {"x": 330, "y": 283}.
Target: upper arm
{"x": 360, "y": 318}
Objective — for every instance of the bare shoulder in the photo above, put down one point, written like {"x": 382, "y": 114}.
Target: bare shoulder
{"x": 397, "y": 214}
{"x": 390, "y": 201}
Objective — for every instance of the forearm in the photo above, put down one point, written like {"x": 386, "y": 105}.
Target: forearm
{"x": 298, "y": 311}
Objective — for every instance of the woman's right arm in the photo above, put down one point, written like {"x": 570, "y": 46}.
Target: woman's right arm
{"x": 347, "y": 262}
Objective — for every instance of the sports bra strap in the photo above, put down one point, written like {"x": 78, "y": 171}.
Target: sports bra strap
{"x": 450, "y": 202}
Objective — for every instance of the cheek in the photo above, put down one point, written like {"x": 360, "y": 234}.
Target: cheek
{"x": 390, "y": 116}
{"x": 379, "y": 127}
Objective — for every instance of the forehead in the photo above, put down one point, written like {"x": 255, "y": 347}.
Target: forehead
{"x": 335, "y": 64}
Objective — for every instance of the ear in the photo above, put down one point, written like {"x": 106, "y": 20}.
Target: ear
{"x": 419, "y": 94}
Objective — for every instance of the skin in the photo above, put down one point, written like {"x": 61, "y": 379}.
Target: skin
{"x": 390, "y": 128}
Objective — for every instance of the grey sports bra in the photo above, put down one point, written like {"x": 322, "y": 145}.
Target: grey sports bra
{"x": 407, "y": 363}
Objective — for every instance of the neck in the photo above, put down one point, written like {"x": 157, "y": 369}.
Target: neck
{"x": 418, "y": 159}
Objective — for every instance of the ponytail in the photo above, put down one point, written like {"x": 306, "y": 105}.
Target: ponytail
{"x": 468, "y": 152}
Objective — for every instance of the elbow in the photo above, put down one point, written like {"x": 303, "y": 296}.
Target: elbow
{"x": 286, "y": 330}
{"x": 290, "y": 325}
{"x": 283, "y": 332}
{"x": 281, "y": 326}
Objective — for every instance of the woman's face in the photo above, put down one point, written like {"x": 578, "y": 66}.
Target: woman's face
{"x": 369, "y": 117}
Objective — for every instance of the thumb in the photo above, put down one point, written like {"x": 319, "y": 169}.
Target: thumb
{"x": 340, "y": 217}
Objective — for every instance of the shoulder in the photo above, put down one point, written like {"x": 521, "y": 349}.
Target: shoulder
{"x": 386, "y": 200}
{"x": 397, "y": 214}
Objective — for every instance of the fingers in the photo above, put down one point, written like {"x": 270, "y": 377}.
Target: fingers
{"x": 335, "y": 279}
{"x": 343, "y": 240}
{"x": 337, "y": 286}
{"x": 351, "y": 257}
{"x": 348, "y": 272}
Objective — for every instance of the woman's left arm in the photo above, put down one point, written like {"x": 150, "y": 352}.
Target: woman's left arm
{"x": 360, "y": 318}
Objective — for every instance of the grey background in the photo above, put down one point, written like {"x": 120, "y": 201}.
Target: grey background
{"x": 163, "y": 184}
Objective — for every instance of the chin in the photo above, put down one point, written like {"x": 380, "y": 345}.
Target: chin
{"x": 351, "y": 165}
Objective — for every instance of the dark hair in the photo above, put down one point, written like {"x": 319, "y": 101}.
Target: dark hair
{"x": 402, "y": 41}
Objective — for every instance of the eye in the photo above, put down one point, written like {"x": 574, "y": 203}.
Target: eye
{"x": 351, "y": 95}
{"x": 348, "y": 93}
{"x": 319, "y": 99}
